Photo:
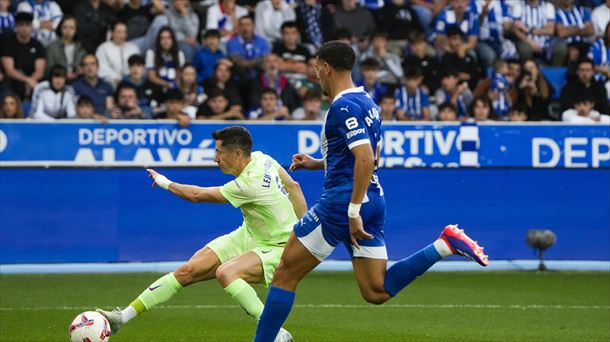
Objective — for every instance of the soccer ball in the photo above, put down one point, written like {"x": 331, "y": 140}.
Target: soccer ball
{"x": 89, "y": 326}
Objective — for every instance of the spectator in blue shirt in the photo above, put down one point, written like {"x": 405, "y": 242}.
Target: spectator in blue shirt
{"x": 453, "y": 91}
{"x": 600, "y": 54}
{"x": 460, "y": 13}
{"x": 205, "y": 60}
{"x": 247, "y": 49}
{"x": 7, "y": 20}
{"x": 94, "y": 87}
{"x": 370, "y": 81}
{"x": 574, "y": 26}
{"x": 494, "y": 20}
{"x": 412, "y": 98}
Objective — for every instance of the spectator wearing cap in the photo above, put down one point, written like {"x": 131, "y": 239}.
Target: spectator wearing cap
{"x": 217, "y": 107}
{"x": 7, "y": 19}
{"x": 54, "y": 99}
{"x": 494, "y": 20}
{"x": 47, "y": 15}
{"x": 270, "y": 107}
{"x": 600, "y": 17}
{"x": 126, "y": 104}
{"x": 205, "y": 60}
{"x": 94, "y": 19}
{"x": 534, "y": 29}
{"x": 390, "y": 67}
{"x": 247, "y": 49}
{"x": 460, "y": 14}
{"x": 269, "y": 17}
{"x": 455, "y": 92}
{"x": 23, "y": 57}
{"x": 457, "y": 59}
{"x": 585, "y": 81}
{"x": 370, "y": 80}
{"x": 416, "y": 56}
{"x": 583, "y": 112}
{"x": 149, "y": 94}
{"x": 293, "y": 55}
{"x": 176, "y": 108}
{"x": 66, "y": 50}
{"x": 315, "y": 22}
{"x": 413, "y": 102}
{"x": 359, "y": 21}
{"x": 113, "y": 55}
{"x": 574, "y": 27}
{"x": 223, "y": 16}
{"x": 89, "y": 84}
{"x": 312, "y": 107}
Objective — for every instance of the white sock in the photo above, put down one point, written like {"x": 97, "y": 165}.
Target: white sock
{"x": 127, "y": 314}
{"x": 442, "y": 248}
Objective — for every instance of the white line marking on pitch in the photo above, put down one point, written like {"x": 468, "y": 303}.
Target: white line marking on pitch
{"x": 346, "y": 306}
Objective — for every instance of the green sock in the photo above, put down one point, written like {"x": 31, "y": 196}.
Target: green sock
{"x": 158, "y": 292}
{"x": 245, "y": 295}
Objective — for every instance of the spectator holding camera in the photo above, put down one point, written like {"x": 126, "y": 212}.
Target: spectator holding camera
{"x": 54, "y": 99}
{"x": 534, "y": 91}
{"x": 127, "y": 104}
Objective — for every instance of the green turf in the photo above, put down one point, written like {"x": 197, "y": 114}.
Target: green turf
{"x": 487, "y": 307}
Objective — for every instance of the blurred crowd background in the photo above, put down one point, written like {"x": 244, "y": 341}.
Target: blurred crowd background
{"x": 420, "y": 60}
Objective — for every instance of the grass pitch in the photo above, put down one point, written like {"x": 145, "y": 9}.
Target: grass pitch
{"x": 490, "y": 306}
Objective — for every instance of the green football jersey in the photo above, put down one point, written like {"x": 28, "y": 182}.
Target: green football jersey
{"x": 258, "y": 191}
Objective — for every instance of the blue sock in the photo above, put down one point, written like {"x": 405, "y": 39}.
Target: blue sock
{"x": 406, "y": 270}
{"x": 277, "y": 307}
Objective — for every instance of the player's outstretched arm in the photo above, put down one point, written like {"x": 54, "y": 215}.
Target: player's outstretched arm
{"x": 304, "y": 161}
{"x": 188, "y": 192}
{"x": 294, "y": 190}
{"x": 364, "y": 166}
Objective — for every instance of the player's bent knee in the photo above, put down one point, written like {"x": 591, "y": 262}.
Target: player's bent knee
{"x": 224, "y": 274}
{"x": 284, "y": 278}
{"x": 184, "y": 274}
{"x": 375, "y": 297}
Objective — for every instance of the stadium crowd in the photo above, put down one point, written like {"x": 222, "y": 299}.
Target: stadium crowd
{"x": 444, "y": 60}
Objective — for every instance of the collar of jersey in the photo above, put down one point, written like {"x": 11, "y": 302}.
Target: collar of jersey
{"x": 348, "y": 91}
{"x": 248, "y": 166}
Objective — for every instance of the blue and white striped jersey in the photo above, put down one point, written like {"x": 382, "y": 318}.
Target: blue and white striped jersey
{"x": 576, "y": 16}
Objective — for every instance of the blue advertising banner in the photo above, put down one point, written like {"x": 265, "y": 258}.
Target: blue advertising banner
{"x": 163, "y": 143}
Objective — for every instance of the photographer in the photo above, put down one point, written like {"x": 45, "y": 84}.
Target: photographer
{"x": 127, "y": 104}
{"x": 53, "y": 99}
{"x": 534, "y": 91}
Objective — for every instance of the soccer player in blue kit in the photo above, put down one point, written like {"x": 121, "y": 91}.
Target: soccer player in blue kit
{"x": 352, "y": 207}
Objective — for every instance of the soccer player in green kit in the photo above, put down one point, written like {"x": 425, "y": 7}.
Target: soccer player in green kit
{"x": 271, "y": 203}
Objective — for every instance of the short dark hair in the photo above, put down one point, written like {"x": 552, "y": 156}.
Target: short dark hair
{"x": 84, "y": 100}
{"x": 212, "y": 33}
{"x": 174, "y": 95}
{"x": 135, "y": 59}
{"x": 338, "y": 54}
{"x": 58, "y": 70}
{"x": 513, "y": 61}
{"x": 454, "y": 31}
{"x": 518, "y": 107}
{"x": 447, "y": 105}
{"x": 413, "y": 72}
{"x": 235, "y": 137}
{"x": 417, "y": 36}
{"x": 312, "y": 94}
{"x": 343, "y": 33}
{"x": 379, "y": 34}
{"x": 369, "y": 64}
{"x": 215, "y": 92}
{"x": 246, "y": 16}
{"x": 583, "y": 96}
{"x": 268, "y": 90}
{"x": 387, "y": 95}
{"x": 289, "y": 24}
{"x": 123, "y": 86}
{"x": 585, "y": 60}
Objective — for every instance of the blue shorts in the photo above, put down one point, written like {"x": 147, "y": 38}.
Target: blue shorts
{"x": 325, "y": 225}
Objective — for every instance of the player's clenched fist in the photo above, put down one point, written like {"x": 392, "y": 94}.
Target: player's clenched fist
{"x": 304, "y": 161}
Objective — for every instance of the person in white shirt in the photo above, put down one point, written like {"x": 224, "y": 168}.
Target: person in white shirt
{"x": 269, "y": 17}
{"x": 223, "y": 17}
{"x": 113, "y": 55}
{"x": 583, "y": 111}
{"x": 600, "y": 18}
{"x": 47, "y": 15}
{"x": 53, "y": 99}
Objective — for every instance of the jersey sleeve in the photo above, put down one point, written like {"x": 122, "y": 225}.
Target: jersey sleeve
{"x": 350, "y": 124}
{"x": 238, "y": 192}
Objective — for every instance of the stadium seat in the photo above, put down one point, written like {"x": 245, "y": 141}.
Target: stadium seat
{"x": 557, "y": 76}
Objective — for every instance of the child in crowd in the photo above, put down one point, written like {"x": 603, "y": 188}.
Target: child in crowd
{"x": 583, "y": 111}
{"x": 370, "y": 72}
{"x": 312, "y": 107}
{"x": 447, "y": 112}
{"x": 271, "y": 108}
{"x": 413, "y": 100}
{"x": 458, "y": 94}
{"x": 217, "y": 107}
{"x": 388, "y": 107}
{"x": 518, "y": 113}
{"x": 500, "y": 87}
